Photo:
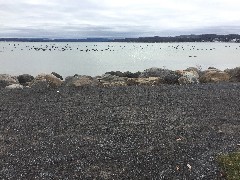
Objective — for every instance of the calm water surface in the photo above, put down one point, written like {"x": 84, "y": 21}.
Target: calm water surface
{"x": 97, "y": 58}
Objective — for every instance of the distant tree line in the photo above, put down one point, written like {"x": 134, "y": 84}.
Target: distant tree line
{"x": 185, "y": 38}
{"x": 154, "y": 39}
{"x": 55, "y": 40}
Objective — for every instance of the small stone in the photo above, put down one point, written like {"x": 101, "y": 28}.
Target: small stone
{"x": 189, "y": 167}
{"x": 177, "y": 168}
{"x": 14, "y": 86}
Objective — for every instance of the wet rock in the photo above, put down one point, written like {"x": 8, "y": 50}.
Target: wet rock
{"x": 24, "y": 79}
{"x": 213, "y": 76}
{"x": 78, "y": 81}
{"x": 234, "y": 74}
{"x": 57, "y": 75}
{"x": 45, "y": 81}
{"x": 6, "y": 79}
{"x": 14, "y": 86}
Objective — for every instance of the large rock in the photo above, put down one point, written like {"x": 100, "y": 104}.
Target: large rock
{"x": 25, "y": 79}
{"x": 127, "y": 74}
{"x": 171, "y": 78}
{"x": 45, "y": 81}
{"x": 112, "y": 80}
{"x": 189, "y": 77}
{"x": 234, "y": 74}
{"x": 6, "y": 80}
{"x": 78, "y": 81}
{"x": 155, "y": 72}
{"x": 14, "y": 86}
{"x": 151, "y": 81}
{"x": 193, "y": 69}
{"x": 188, "y": 72}
{"x": 213, "y": 76}
{"x": 3, "y": 84}
{"x": 168, "y": 76}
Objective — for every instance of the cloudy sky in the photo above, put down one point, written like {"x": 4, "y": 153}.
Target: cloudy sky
{"x": 117, "y": 18}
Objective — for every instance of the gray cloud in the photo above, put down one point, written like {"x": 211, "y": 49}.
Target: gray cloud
{"x": 92, "y": 18}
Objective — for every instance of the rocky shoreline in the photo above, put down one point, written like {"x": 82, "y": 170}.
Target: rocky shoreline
{"x": 150, "y": 77}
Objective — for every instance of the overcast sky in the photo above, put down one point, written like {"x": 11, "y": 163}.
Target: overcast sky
{"x": 117, "y": 18}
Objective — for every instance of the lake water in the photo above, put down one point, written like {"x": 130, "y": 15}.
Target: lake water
{"x": 97, "y": 58}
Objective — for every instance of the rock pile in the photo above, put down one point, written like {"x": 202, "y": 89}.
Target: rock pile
{"x": 149, "y": 77}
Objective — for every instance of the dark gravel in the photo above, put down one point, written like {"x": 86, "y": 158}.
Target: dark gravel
{"x": 161, "y": 132}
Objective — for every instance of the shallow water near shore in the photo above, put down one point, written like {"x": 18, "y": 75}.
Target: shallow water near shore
{"x": 97, "y": 58}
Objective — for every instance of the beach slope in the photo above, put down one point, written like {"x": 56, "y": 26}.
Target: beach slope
{"x": 137, "y": 132}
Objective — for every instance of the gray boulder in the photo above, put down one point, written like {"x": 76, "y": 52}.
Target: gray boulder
{"x": 78, "y": 81}
{"x": 112, "y": 80}
{"x": 234, "y": 74}
{"x": 171, "y": 78}
{"x": 151, "y": 81}
{"x": 25, "y": 79}
{"x": 192, "y": 69}
{"x": 155, "y": 72}
{"x": 42, "y": 81}
{"x": 6, "y": 80}
{"x": 168, "y": 76}
{"x": 189, "y": 77}
{"x": 3, "y": 84}
{"x": 214, "y": 77}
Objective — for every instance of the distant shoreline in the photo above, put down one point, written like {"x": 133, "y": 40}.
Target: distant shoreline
{"x": 233, "y": 38}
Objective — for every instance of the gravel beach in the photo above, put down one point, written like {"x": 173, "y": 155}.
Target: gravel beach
{"x": 138, "y": 132}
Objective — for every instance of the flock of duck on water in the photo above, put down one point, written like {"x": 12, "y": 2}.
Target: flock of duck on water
{"x": 67, "y": 47}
